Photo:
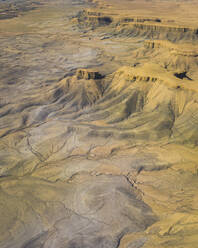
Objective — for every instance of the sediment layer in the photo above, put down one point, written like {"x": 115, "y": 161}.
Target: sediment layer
{"x": 149, "y": 27}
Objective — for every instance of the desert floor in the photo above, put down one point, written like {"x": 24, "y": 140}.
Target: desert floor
{"x": 98, "y": 124}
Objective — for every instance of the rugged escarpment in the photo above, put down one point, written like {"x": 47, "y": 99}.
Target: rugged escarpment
{"x": 149, "y": 102}
{"x": 80, "y": 90}
{"x": 136, "y": 26}
{"x": 92, "y": 19}
{"x": 181, "y": 57}
{"x": 177, "y": 49}
{"x": 155, "y": 31}
{"x": 88, "y": 74}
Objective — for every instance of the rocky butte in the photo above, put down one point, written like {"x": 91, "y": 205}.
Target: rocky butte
{"x": 99, "y": 124}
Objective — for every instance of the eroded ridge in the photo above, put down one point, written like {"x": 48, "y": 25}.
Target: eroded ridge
{"x": 177, "y": 49}
{"x": 136, "y": 26}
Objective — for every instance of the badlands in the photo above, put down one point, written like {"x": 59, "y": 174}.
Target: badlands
{"x": 98, "y": 124}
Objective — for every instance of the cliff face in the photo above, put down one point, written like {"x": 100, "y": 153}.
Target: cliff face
{"x": 181, "y": 57}
{"x": 163, "y": 98}
{"x": 80, "y": 90}
{"x": 93, "y": 19}
{"x": 156, "y": 31}
{"x": 177, "y": 49}
{"x": 98, "y": 125}
{"x": 150, "y": 27}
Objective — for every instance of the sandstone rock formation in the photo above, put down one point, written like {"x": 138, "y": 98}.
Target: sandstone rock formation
{"x": 80, "y": 90}
{"x": 151, "y": 27}
{"x": 177, "y": 49}
{"x": 88, "y": 74}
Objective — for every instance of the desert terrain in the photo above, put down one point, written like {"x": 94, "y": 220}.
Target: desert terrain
{"x": 98, "y": 124}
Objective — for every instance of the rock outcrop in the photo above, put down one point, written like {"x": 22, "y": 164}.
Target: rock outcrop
{"x": 93, "y": 19}
{"x": 88, "y": 74}
{"x": 150, "y": 27}
{"x": 177, "y": 49}
{"x": 157, "y": 30}
{"x": 80, "y": 90}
